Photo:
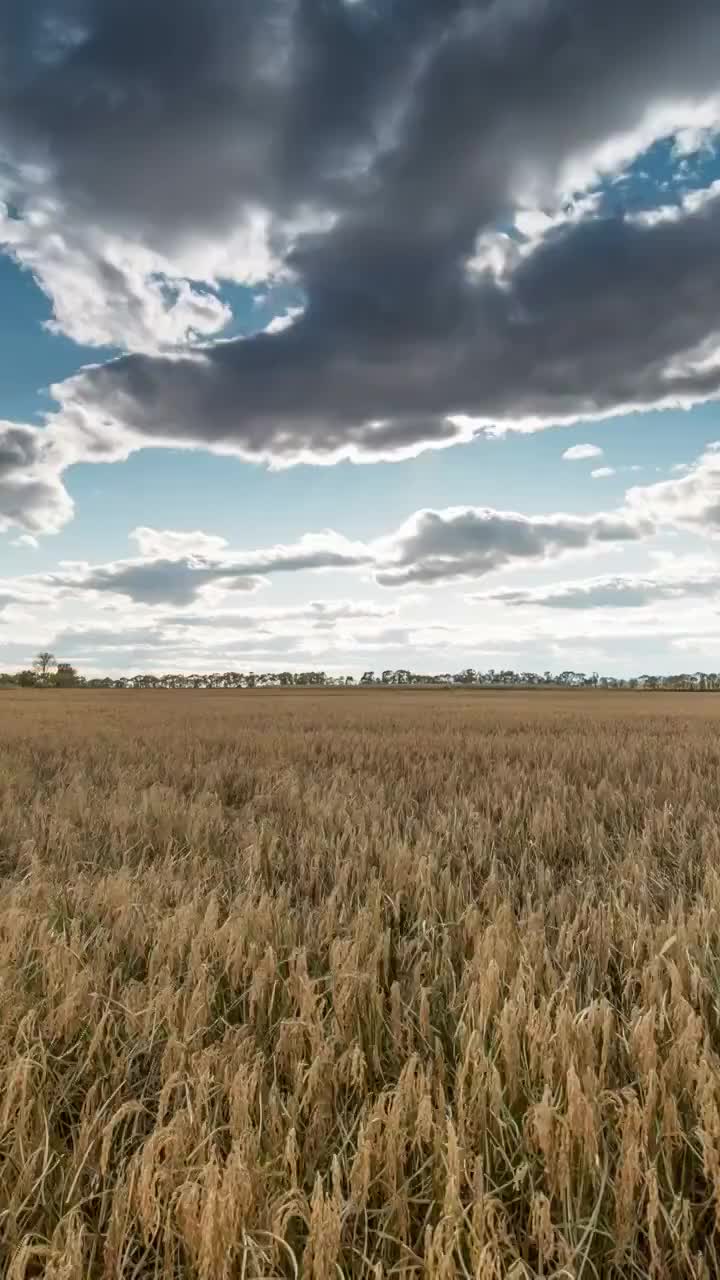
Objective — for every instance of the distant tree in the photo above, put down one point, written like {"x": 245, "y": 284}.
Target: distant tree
{"x": 27, "y": 679}
{"x": 468, "y": 676}
{"x": 66, "y": 676}
{"x": 44, "y": 663}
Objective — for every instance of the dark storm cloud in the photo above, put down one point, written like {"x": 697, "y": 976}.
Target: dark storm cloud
{"x": 413, "y": 127}
{"x": 590, "y": 322}
{"x": 171, "y": 115}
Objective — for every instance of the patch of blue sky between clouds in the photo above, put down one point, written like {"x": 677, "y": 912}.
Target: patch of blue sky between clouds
{"x": 254, "y": 308}
{"x": 663, "y": 175}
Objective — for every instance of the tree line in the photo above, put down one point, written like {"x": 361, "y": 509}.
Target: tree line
{"x": 48, "y": 673}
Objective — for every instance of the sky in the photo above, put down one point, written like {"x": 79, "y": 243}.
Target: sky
{"x": 363, "y": 334}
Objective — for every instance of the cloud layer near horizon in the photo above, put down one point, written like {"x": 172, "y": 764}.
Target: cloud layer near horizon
{"x": 431, "y": 547}
{"x": 188, "y": 600}
{"x": 405, "y": 168}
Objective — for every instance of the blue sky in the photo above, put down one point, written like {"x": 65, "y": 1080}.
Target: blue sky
{"x": 315, "y": 413}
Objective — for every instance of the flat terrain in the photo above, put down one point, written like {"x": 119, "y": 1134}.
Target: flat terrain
{"x": 359, "y": 984}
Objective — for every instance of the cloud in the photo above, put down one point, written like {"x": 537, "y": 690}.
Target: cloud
{"x": 602, "y": 473}
{"x": 21, "y": 594}
{"x": 318, "y": 614}
{"x": 361, "y": 152}
{"x": 438, "y": 546}
{"x": 195, "y": 640}
{"x": 431, "y": 546}
{"x": 690, "y": 202}
{"x": 173, "y": 572}
{"x": 84, "y": 640}
{"x": 106, "y": 292}
{"x": 621, "y": 591}
{"x": 9, "y": 599}
{"x": 194, "y": 572}
{"x": 152, "y": 581}
{"x": 690, "y": 500}
{"x": 285, "y": 321}
{"x": 578, "y": 452}
{"x": 175, "y": 542}
{"x": 182, "y": 568}
{"x": 393, "y": 355}
{"x": 32, "y": 495}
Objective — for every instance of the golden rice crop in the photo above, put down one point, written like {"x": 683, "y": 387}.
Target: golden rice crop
{"x": 359, "y": 984}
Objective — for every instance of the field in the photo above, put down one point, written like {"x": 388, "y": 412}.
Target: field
{"x": 359, "y": 984}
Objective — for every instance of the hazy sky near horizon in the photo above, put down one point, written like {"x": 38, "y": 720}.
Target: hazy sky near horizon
{"x": 360, "y": 334}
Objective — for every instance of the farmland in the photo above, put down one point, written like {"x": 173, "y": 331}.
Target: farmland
{"x": 359, "y": 983}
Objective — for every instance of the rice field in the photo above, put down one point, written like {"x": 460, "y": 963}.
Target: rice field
{"x": 359, "y": 983}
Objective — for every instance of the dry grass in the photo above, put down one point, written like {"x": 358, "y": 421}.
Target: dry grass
{"x": 359, "y": 984}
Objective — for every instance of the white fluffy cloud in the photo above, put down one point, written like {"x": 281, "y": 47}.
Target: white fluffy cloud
{"x": 172, "y": 543}
{"x": 579, "y": 452}
{"x": 105, "y": 292}
{"x": 689, "y": 500}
